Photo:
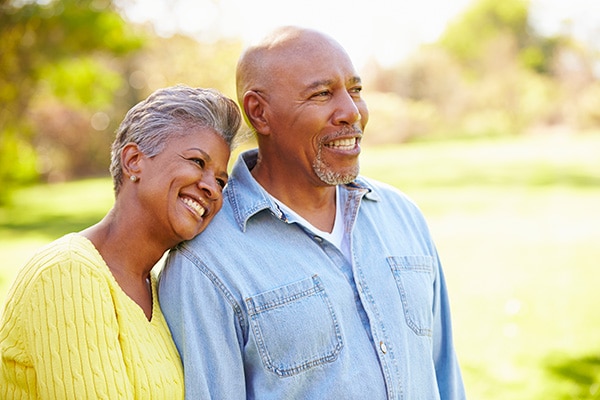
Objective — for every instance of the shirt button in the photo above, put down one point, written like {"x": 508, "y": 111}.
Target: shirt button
{"x": 383, "y": 347}
{"x": 318, "y": 239}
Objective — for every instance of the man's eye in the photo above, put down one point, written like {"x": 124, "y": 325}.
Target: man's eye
{"x": 324, "y": 93}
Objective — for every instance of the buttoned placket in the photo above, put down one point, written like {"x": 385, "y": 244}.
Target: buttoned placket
{"x": 374, "y": 324}
{"x": 365, "y": 303}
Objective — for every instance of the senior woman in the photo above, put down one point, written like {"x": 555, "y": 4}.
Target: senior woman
{"x": 82, "y": 319}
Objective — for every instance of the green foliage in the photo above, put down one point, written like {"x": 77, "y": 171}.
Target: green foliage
{"x": 579, "y": 374}
{"x": 490, "y": 74}
{"x": 181, "y": 59}
{"x": 55, "y": 49}
{"x": 82, "y": 82}
{"x": 533, "y": 58}
{"x": 467, "y": 38}
{"x": 63, "y": 28}
{"x": 71, "y": 69}
{"x": 17, "y": 162}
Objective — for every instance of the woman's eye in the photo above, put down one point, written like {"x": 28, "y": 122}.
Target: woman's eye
{"x": 221, "y": 183}
{"x": 199, "y": 161}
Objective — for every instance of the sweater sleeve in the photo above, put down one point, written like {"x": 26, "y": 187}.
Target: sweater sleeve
{"x": 71, "y": 329}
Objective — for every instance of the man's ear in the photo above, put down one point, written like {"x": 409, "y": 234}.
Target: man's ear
{"x": 255, "y": 112}
{"x": 131, "y": 158}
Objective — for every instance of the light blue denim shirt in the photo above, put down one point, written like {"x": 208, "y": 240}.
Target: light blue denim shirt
{"x": 261, "y": 308}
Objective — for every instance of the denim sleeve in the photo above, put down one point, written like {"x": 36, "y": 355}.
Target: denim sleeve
{"x": 447, "y": 369}
{"x": 204, "y": 322}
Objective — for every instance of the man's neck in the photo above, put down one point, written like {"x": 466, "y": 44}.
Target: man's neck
{"x": 314, "y": 203}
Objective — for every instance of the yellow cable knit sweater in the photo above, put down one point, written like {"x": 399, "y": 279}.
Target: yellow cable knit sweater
{"x": 68, "y": 331}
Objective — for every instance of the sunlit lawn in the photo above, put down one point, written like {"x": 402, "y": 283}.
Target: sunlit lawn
{"x": 517, "y": 223}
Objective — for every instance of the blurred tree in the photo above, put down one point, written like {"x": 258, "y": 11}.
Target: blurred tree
{"x": 491, "y": 74}
{"x": 182, "y": 59}
{"x": 469, "y": 37}
{"x": 57, "y": 49}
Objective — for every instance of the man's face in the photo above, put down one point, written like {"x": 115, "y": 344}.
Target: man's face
{"x": 317, "y": 115}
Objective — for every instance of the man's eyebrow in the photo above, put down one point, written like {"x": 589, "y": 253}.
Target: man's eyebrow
{"x": 354, "y": 80}
{"x": 328, "y": 82}
{"x": 319, "y": 83}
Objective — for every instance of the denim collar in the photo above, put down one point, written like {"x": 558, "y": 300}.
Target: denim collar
{"x": 247, "y": 197}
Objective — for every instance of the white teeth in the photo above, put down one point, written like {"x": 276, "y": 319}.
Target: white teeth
{"x": 194, "y": 205}
{"x": 344, "y": 144}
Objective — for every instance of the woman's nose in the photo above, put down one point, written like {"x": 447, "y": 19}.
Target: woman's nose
{"x": 210, "y": 186}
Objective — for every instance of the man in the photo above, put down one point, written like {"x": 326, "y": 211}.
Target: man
{"x": 312, "y": 282}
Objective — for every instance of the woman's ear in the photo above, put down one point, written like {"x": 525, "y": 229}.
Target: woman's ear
{"x": 255, "y": 111}
{"x": 131, "y": 157}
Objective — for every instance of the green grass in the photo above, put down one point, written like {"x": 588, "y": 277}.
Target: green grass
{"x": 39, "y": 214}
{"x": 517, "y": 224}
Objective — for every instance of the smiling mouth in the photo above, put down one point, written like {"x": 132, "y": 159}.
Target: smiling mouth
{"x": 194, "y": 205}
{"x": 342, "y": 144}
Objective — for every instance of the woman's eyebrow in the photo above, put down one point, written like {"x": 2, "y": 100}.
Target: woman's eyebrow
{"x": 204, "y": 153}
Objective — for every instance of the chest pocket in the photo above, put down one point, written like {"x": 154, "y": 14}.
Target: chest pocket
{"x": 295, "y": 327}
{"x": 414, "y": 279}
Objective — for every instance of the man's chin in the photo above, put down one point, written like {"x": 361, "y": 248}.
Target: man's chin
{"x": 334, "y": 178}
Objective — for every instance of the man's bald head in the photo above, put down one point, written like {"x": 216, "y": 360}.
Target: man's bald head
{"x": 260, "y": 65}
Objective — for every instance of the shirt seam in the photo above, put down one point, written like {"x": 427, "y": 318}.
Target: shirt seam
{"x": 216, "y": 282}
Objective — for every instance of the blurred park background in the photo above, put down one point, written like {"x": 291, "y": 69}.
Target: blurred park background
{"x": 492, "y": 125}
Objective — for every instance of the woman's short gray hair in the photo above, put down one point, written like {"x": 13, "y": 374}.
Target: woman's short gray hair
{"x": 172, "y": 112}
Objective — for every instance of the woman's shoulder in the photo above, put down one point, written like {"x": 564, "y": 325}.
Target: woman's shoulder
{"x": 72, "y": 251}
{"x": 69, "y": 247}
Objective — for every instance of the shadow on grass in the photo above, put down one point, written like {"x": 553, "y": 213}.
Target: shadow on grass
{"x": 580, "y": 374}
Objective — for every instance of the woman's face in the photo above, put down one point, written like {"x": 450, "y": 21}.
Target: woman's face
{"x": 181, "y": 187}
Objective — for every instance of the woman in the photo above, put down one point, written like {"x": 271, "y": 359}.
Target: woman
{"x": 82, "y": 318}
